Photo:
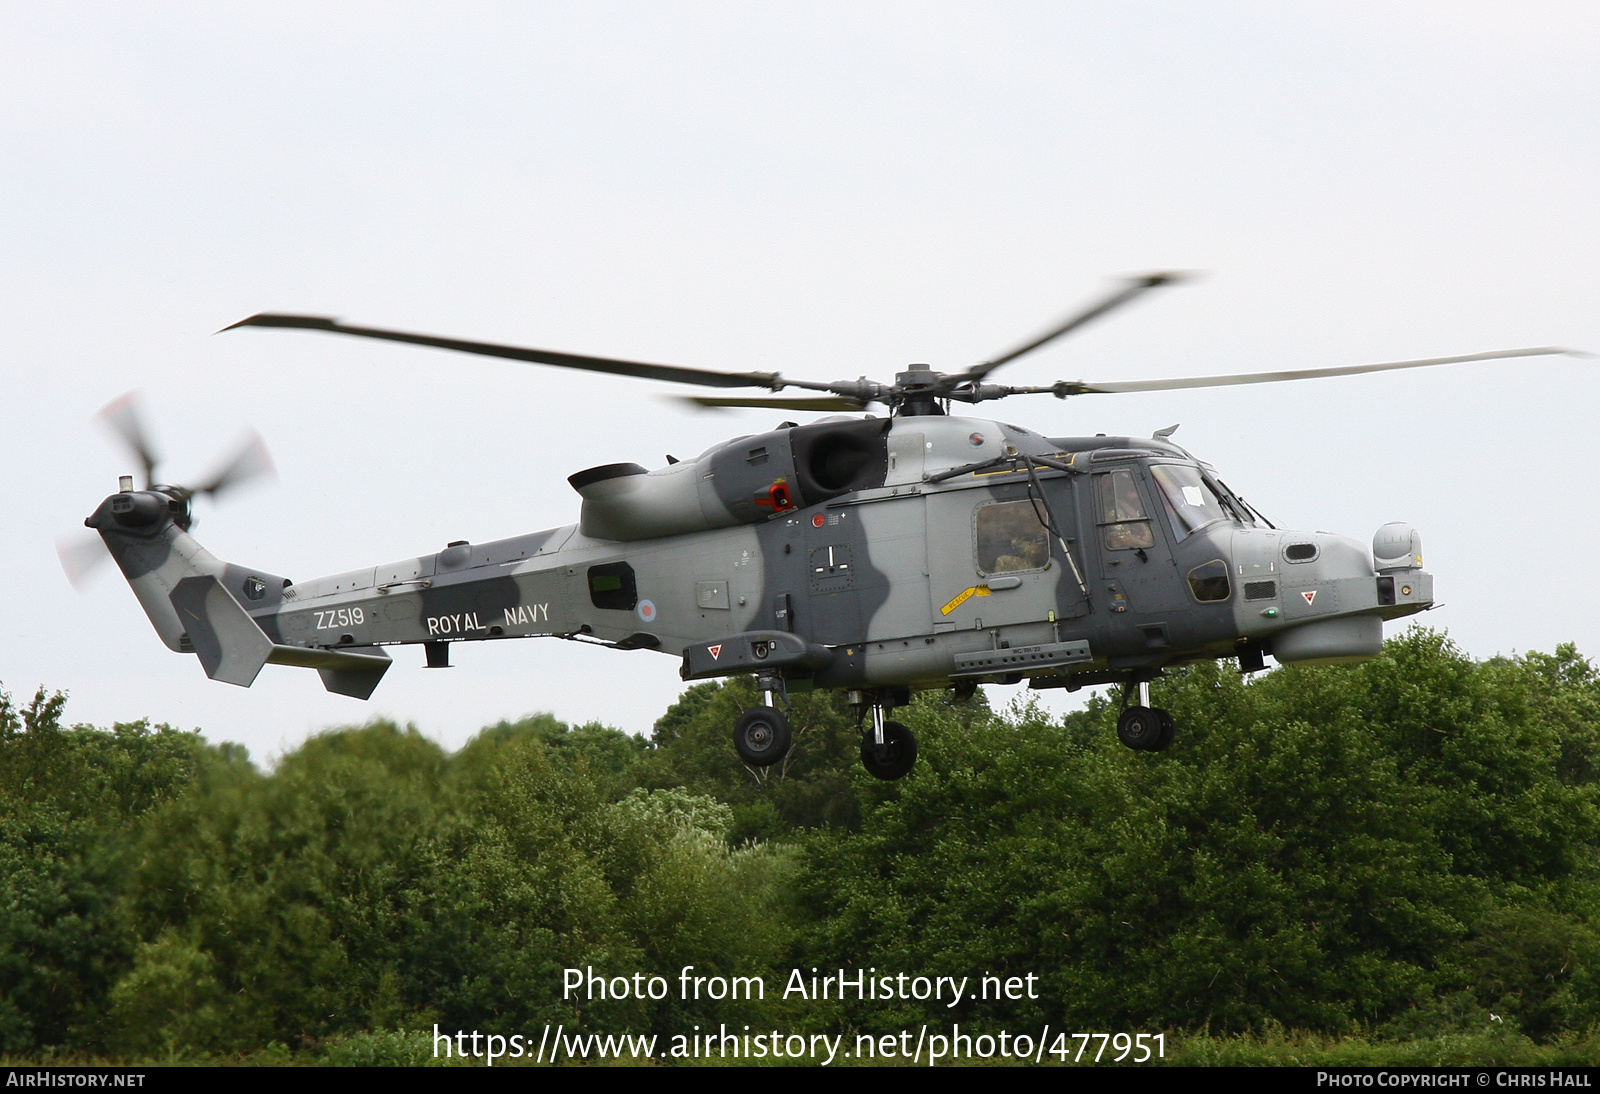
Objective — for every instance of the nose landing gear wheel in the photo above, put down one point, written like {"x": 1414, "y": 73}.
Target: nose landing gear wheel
{"x": 1148, "y": 729}
{"x": 892, "y": 760}
{"x": 761, "y": 736}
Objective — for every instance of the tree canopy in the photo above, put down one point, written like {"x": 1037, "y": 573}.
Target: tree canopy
{"x": 1389, "y": 849}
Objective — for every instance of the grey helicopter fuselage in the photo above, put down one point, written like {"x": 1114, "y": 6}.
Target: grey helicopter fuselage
{"x": 874, "y": 555}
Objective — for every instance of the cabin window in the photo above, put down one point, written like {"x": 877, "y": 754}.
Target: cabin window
{"x": 1010, "y": 538}
{"x": 1189, "y": 502}
{"x": 612, "y": 586}
{"x": 1124, "y": 525}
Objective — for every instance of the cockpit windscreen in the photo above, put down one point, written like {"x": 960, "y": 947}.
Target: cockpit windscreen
{"x": 1190, "y": 503}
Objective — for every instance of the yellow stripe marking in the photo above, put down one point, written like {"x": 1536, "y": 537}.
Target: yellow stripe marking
{"x": 963, "y": 596}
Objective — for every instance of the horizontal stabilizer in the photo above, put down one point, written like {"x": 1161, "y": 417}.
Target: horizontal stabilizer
{"x": 332, "y": 660}
{"x": 232, "y": 647}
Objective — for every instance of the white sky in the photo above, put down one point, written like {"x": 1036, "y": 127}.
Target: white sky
{"x": 826, "y": 190}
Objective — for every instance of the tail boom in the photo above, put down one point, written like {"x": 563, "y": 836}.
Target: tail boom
{"x": 558, "y": 583}
{"x": 197, "y": 602}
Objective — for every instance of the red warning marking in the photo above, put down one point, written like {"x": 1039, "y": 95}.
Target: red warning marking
{"x": 1310, "y": 595}
{"x": 817, "y": 521}
{"x": 714, "y": 651}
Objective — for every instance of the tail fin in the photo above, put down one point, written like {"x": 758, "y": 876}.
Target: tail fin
{"x": 229, "y": 644}
{"x": 188, "y": 594}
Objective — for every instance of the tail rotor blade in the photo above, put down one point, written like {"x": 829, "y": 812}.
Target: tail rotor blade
{"x": 252, "y": 461}
{"x": 81, "y": 557}
{"x": 123, "y": 418}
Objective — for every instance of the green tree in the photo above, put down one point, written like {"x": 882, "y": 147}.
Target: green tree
{"x": 69, "y": 798}
{"x": 1324, "y": 847}
{"x": 608, "y": 755}
{"x": 373, "y": 882}
{"x": 288, "y": 891}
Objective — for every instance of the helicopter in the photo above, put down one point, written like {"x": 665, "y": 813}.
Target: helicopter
{"x": 875, "y": 556}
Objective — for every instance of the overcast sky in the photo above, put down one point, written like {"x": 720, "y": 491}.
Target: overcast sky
{"x": 825, "y": 190}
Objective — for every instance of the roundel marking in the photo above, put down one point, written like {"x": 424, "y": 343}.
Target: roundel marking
{"x": 817, "y": 521}
{"x": 976, "y": 440}
{"x": 647, "y": 611}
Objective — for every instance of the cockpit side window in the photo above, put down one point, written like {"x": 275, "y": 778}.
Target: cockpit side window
{"x": 1189, "y": 502}
{"x": 1124, "y": 524}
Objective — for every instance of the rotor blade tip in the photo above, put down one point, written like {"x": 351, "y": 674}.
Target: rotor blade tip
{"x": 117, "y": 405}
{"x": 1169, "y": 277}
{"x": 693, "y": 403}
{"x": 275, "y": 319}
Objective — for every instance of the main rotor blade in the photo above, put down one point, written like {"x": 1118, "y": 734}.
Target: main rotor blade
{"x": 123, "y": 417}
{"x": 823, "y": 403}
{"x": 1132, "y": 288}
{"x": 1078, "y": 388}
{"x": 639, "y": 369}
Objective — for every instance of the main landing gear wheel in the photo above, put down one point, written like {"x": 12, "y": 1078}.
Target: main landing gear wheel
{"x": 1169, "y": 727}
{"x": 761, "y": 736}
{"x": 1148, "y": 729}
{"x": 895, "y": 757}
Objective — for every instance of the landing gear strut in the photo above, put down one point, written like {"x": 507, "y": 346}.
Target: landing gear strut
{"x": 1143, "y": 727}
{"x": 888, "y": 749}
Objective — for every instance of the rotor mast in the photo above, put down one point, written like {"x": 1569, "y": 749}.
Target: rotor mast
{"x": 916, "y": 392}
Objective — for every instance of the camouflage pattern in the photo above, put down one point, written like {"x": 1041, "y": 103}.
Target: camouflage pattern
{"x": 839, "y": 553}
